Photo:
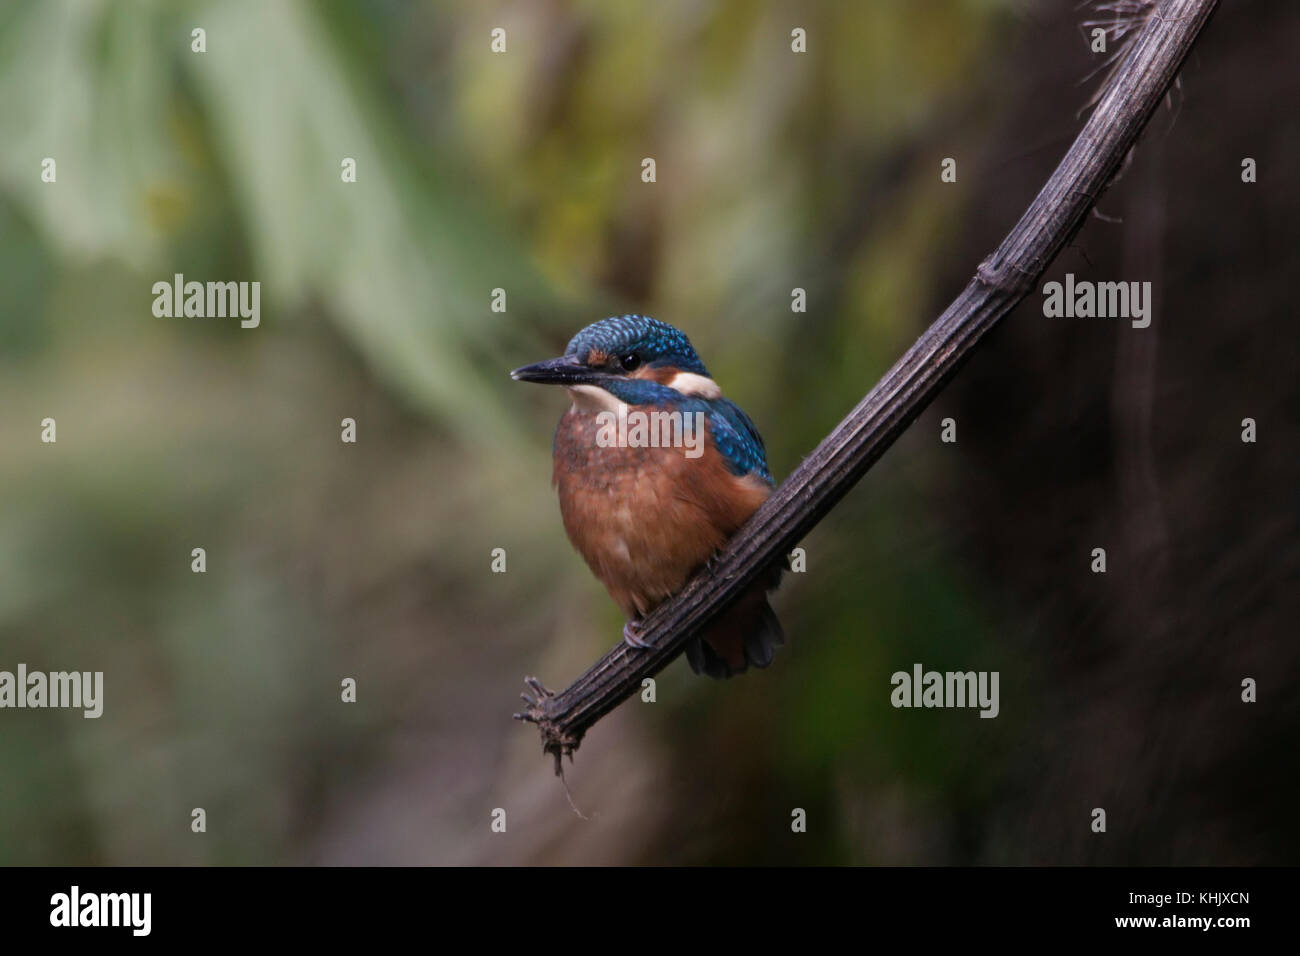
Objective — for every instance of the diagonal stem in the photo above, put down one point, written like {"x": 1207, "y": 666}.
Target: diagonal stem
{"x": 825, "y": 476}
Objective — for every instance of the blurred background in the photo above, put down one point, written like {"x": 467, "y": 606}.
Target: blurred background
{"x": 521, "y": 171}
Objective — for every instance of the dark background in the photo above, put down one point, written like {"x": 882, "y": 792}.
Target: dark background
{"x": 522, "y": 171}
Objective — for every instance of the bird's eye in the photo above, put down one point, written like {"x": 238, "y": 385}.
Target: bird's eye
{"x": 630, "y": 362}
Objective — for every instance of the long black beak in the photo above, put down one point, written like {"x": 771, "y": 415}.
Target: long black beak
{"x": 564, "y": 370}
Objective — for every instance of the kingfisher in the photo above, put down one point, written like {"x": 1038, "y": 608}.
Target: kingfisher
{"x": 647, "y": 507}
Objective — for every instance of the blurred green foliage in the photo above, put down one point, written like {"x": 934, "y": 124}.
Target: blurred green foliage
{"x": 325, "y": 560}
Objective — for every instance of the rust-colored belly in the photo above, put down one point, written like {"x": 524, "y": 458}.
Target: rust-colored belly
{"x": 645, "y": 518}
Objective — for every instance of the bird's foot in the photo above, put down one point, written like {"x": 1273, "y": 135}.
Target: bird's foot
{"x": 632, "y": 637}
{"x": 713, "y": 562}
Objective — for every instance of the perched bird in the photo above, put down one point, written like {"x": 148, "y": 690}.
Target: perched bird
{"x": 645, "y": 514}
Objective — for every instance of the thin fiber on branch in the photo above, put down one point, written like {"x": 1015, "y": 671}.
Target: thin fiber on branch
{"x": 1001, "y": 281}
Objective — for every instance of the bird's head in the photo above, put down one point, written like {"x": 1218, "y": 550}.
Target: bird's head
{"x": 625, "y": 356}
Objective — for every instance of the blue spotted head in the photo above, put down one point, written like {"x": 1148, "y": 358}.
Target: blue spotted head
{"x": 632, "y": 357}
{"x": 637, "y": 360}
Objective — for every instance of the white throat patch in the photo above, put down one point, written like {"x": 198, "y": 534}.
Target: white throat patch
{"x": 592, "y": 398}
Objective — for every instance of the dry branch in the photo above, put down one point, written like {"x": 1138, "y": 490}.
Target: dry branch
{"x": 1001, "y": 281}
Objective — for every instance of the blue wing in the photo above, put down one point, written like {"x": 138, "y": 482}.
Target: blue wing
{"x": 737, "y": 438}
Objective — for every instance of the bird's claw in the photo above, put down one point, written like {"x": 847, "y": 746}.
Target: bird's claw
{"x": 632, "y": 637}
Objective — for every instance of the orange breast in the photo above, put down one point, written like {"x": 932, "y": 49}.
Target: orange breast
{"x": 645, "y": 518}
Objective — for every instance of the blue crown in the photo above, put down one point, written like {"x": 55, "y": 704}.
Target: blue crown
{"x": 658, "y": 343}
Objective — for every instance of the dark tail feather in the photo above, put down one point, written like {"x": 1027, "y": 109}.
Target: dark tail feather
{"x": 746, "y": 635}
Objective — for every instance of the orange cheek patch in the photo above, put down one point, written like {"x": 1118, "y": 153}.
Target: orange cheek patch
{"x": 597, "y": 357}
{"x": 660, "y": 374}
